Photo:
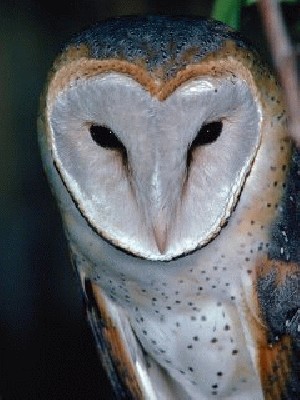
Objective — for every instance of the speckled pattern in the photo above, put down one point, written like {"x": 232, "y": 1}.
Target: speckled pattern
{"x": 181, "y": 41}
{"x": 286, "y": 228}
{"x": 221, "y": 322}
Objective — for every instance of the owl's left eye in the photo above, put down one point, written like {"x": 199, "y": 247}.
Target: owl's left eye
{"x": 208, "y": 133}
{"x": 105, "y": 137}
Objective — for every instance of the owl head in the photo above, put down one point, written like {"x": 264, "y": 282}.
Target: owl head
{"x": 158, "y": 127}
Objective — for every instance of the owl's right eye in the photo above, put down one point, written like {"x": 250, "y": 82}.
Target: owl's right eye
{"x": 105, "y": 137}
{"x": 207, "y": 134}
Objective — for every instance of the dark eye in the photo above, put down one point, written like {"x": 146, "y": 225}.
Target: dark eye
{"x": 208, "y": 134}
{"x": 105, "y": 137}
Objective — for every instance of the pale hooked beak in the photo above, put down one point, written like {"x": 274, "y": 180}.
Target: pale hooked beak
{"x": 163, "y": 201}
{"x": 158, "y": 191}
{"x": 160, "y": 232}
{"x": 161, "y": 208}
{"x": 158, "y": 209}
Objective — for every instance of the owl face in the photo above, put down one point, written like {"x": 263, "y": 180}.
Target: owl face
{"x": 157, "y": 178}
{"x": 155, "y": 153}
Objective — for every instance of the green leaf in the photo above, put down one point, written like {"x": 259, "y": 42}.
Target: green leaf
{"x": 228, "y": 11}
{"x": 250, "y": 2}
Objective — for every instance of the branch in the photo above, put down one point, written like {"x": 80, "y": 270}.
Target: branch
{"x": 284, "y": 61}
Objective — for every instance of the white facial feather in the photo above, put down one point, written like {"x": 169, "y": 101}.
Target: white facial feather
{"x": 134, "y": 205}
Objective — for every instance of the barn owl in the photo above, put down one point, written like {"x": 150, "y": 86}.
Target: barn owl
{"x": 165, "y": 143}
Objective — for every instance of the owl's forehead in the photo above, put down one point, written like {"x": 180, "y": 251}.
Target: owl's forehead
{"x": 160, "y": 53}
{"x": 164, "y": 44}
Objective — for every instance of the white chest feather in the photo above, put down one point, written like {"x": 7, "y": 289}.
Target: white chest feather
{"x": 188, "y": 314}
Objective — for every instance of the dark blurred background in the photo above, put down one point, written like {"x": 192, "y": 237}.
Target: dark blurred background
{"x": 46, "y": 349}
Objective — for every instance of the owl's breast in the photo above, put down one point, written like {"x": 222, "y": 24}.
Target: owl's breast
{"x": 200, "y": 343}
{"x": 187, "y": 316}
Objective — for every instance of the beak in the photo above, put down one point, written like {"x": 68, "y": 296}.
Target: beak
{"x": 162, "y": 199}
{"x": 160, "y": 232}
{"x": 158, "y": 184}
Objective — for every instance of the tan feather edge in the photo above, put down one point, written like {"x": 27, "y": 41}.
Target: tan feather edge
{"x": 74, "y": 65}
{"x": 114, "y": 344}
